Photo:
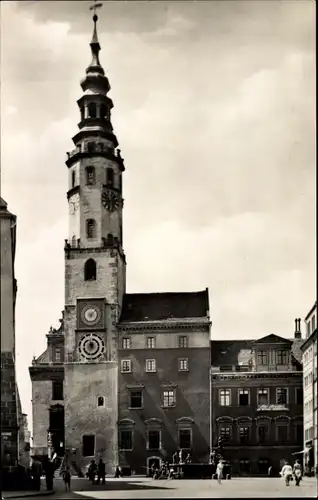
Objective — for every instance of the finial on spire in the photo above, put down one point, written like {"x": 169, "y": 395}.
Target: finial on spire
{"x": 95, "y": 47}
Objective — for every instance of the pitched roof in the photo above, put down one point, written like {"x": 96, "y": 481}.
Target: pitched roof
{"x": 43, "y": 358}
{"x": 162, "y": 306}
{"x": 272, "y": 339}
{"x": 296, "y": 349}
{"x": 230, "y": 352}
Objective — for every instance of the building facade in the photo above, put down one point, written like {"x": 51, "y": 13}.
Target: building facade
{"x": 101, "y": 357}
{"x": 309, "y": 359}
{"x": 257, "y": 402}
{"x": 9, "y": 408}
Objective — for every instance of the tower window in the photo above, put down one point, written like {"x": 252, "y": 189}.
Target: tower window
{"x": 90, "y": 228}
{"x": 88, "y": 446}
{"x": 92, "y": 110}
{"x": 82, "y": 114}
{"x": 90, "y": 270}
{"x": 73, "y": 178}
{"x": 90, "y": 147}
{"x": 103, "y": 112}
{"x": 100, "y": 401}
{"x": 90, "y": 176}
{"x": 57, "y": 390}
{"x": 110, "y": 177}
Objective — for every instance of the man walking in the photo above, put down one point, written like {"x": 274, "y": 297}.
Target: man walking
{"x": 101, "y": 472}
{"x": 219, "y": 471}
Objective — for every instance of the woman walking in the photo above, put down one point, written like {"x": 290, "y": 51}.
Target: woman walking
{"x": 287, "y": 473}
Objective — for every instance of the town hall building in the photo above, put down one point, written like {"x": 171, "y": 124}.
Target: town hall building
{"x": 125, "y": 377}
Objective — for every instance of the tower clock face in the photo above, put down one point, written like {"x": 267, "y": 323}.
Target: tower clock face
{"x": 91, "y": 346}
{"x": 91, "y": 315}
{"x": 110, "y": 200}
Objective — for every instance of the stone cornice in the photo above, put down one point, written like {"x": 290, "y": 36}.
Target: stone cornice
{"x": 255, "y": 375}
{"x": 46, "y": 372}
{"x": 190, "y": 325}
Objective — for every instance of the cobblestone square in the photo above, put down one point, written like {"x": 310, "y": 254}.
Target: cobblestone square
{"x": 140, "y": 487}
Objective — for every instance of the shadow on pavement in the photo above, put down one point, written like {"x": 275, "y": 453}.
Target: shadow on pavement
{"x": 119, "y": 486}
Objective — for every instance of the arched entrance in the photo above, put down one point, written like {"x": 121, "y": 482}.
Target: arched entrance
{"x": 57, "y": 429}
{"x": 156, "y": 461}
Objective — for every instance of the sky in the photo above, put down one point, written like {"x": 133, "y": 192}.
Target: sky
{"x": 214, "y": 110}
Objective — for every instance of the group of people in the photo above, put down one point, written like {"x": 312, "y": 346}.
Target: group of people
{"x": 168, "y": 471}
{"x": 98, "y": 470}
{"x": 289, "y": 473}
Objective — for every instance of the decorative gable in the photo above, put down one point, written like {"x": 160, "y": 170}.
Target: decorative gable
{"x": 273, "y": 339}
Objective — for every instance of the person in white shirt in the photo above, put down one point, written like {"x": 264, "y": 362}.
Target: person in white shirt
{"x": 219, "y": 471}
{"x": 287, "y": 473}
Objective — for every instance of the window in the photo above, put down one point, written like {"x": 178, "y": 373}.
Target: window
{"x": 125, "y": 439}
{"x": 90, "y": 176}
{"x": 225, "y": 397}
{"x": 57, "y": 354}
{"x": 90, "y": 228}
{"x": 92, "y": 110}
{"x": 88, "y": 446}
{"x": 281, "y": 357}
{"x": 281, "y": 396}
{"x": 225, "y": 434}
{"x": 150, "y": 365}
{"x": 57, "y": 390}
{"x": 262, "y": 433}
{"x": 262, "y": 396}
{"x": 90, "y": 147}
{"x": 244, "y": 433}
{"x": 103, "y": 112}
{"x": 125, "y": 366}
{"x": 135, "y": 399}
{"x": 109, "y": 177}
{"x": 183, "y": 364}
{"x": 308, "y": 329}
{"x": 299, "y": 433}
{"x": 282, "y": 433}
{"x": 73, "y": 178}
{"x": 169, "y": 398}
{"x": 299, "y": 395}
{"x": 90, "y": 270}
{"x": 262, "y": 358}
{"x": 100, "y": 401}
{"x": 151, "y": 342}
{"x": 183, "y": 341}
{"x": 244, "y": 397}
{"x": 126, "y": 343}
{"x": 313, "y": 323}
{"x": 153, "y": 440}
{"x": 82, "y": 114}
{"x": 184, "y": 439}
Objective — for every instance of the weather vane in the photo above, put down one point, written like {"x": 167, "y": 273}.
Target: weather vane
{"x": 95, "y": 6}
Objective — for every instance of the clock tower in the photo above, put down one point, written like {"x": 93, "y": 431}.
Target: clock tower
{"x": 94, "y": 273}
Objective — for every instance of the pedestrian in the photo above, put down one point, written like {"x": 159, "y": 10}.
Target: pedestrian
{"x": 270, "y": 471}
{"x": 219, "y": 470}
{"x": 287, "y": 473}
{"x": 49, "y": 474}
{"x": 92, "y": 471}
{"x": 101, "y": 472}
{"x": 36, "y": 472}
{"x": 175, "y": 458}
{"x": 180, "y": 457}
{"x": 297, "y": 470}
{"x": 118, "y": 472}
{"x": 67, "y": 478}
{"x": 188, "y": 459}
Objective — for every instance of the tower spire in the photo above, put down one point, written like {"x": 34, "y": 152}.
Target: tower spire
{"x": 95, "y": 66}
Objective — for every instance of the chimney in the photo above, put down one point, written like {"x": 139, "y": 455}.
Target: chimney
{"x": 297, "y": 328}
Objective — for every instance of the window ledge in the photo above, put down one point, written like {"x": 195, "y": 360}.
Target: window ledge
{"x": 126, "y": 372}
{"x": 135, "y": 408}
{"x": 151, "y": 371}
{"x": 124, "y": 449}
{"x": 167, "y": 407}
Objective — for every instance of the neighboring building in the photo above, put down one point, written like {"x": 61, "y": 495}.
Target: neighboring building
{"x": 9, "y": 410}
{"x": 309, "y": 359}
{"x": 118, "y": 362}
{"x": 164, "y": 356}
{"x": 257, "y": 401}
